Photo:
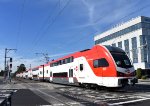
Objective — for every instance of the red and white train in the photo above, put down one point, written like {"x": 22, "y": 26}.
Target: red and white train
{"x": 100, "y": 66}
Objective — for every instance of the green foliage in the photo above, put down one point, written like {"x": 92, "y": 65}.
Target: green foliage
{"x": 2, "y": 73}
{"x": 139, "y": 73}
{"x": 20, "y": 69}
{"x": 144, "y": 77}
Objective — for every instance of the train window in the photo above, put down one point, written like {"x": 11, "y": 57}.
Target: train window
{"x": 70, "y": 72}
{"x": 40, "y": 72}
{"x": 63, "y": 74}
{"x": 63, "y": 61}
{"x": 122, "y": 60}
{"x": 59, "y": 62}
{"x": 101, "y": 63}
{"x": 81, "y": 67}
{"x": 71, "y": 59}
{"x": 47, "y": 71}
{"x": 68, "y": 60}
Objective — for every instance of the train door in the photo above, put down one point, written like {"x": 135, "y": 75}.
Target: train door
{"x": 51, "y": 76}
{"x": 71, "y": 76}
{"x": 81, "y": 70}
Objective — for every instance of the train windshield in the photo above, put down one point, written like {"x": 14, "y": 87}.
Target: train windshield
{"x": 120, "y": 57}
{"x": 122, "y": 60}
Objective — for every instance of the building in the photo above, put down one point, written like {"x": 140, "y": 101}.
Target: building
{"x": 132, "y": 36}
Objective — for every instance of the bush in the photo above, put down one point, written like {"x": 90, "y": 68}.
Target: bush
{"x": 139, "y": 73}
{"x": 144, "y": 77}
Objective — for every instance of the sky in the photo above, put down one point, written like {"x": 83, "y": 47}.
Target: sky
{"x": 58, "y": 27}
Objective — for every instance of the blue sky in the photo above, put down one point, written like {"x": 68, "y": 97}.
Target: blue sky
{"x": 59, "y": 26}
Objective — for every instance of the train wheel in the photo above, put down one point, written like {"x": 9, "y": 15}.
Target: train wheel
{"x": 87, "y": 86}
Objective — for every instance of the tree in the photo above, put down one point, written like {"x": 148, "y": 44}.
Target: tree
{"x": 20, "y": 69}
{"x": 2, "y": 73}
{"x": 139, "y": 73}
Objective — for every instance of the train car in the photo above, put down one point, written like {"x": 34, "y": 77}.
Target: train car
{"x": 25, "y": 74}
{"x": 35, "y": 73}
{"x": 20, "y": 75}
{"x": 47, "y": 72}
{"x": 30, "y": 74}
{"x": 44, "y": 72}
{"x": 41, "y": 73}
{"x": 99, "y": 66}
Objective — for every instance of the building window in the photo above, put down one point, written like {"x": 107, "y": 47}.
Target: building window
{"x": 120, "y": 44}
{"x": 134, "y": 50}
{"x": 143, "y": 48}
{"x": 126, "y": 45}
{"x": 114, "y": 44}
{"x": 121, "y": 32}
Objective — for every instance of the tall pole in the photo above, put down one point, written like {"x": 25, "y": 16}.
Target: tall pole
{"x": 5, "y": 64}
{"x": 5, "y": 70}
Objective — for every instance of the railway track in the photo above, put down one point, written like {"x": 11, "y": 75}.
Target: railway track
{"x": 55, "y": 95}
{"x": 58, "y": 94}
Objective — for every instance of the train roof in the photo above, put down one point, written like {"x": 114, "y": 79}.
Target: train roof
{"x": 76, "y": 54}
{"x": 114, "y": 49}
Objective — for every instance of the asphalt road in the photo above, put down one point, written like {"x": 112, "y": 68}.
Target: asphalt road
{"x": 55, "y": 94}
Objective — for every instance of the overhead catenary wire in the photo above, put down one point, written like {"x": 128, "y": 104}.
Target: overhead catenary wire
{"x": 131, "y": 13}
{"x": 50, "y": 24}
{"x": 48, "y": 19}
{"x": 94, "y": 32}
{"x": 20, "y": 24}
{"x": 71, "y": 42}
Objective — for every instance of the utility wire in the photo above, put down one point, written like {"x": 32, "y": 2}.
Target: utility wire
{"x": 50, "y": 24}
{"x": 20, "y": 24}
{"x": 131, "y": 13}
{"x": 70, "y": 42}
{"x": 74, "y": 42}
{"x": 37, "y": 36}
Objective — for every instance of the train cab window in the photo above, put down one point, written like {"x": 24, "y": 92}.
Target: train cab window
{"x": 101, "y": 63}
{"x": 81, "y": 67}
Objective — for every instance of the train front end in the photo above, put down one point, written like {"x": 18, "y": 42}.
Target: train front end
{"x": 125, "y": 71}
